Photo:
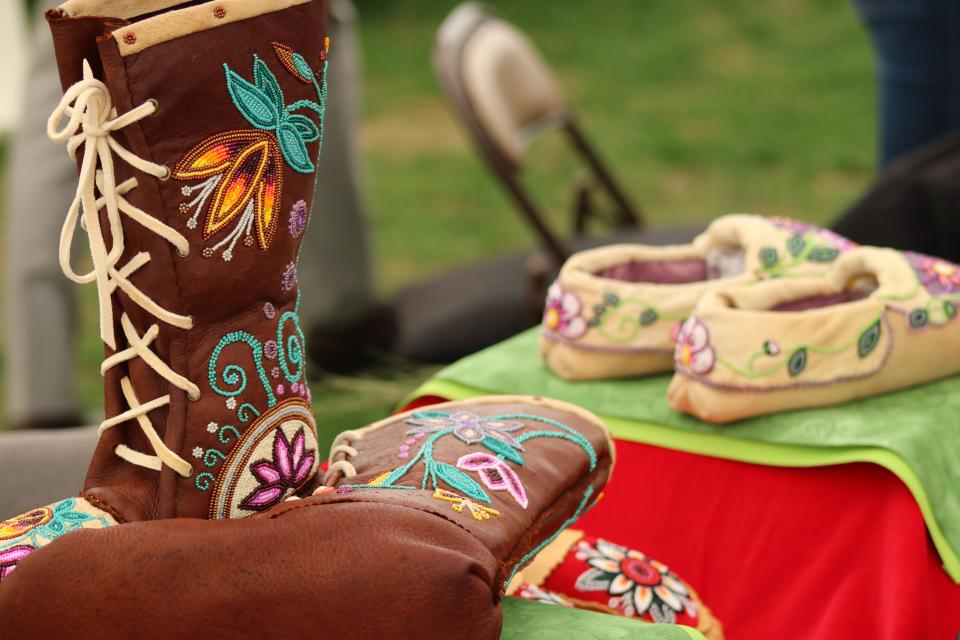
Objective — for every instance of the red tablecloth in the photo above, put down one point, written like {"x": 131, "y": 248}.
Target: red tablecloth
{"x": 831, "y": 552}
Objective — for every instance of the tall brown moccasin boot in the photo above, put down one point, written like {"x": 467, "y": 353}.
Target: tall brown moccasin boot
{"x": 196, "y": 130}
{"x": 423, "y": 520}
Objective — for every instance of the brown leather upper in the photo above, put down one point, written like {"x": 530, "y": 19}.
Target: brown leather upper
{"x": 186, "y": 77}
{"x": 560, "y": 478}
{"x": 355, "y": 570}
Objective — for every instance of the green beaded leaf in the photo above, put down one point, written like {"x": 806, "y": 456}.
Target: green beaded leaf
{"x": 823, "y": 254}
{"x": 459, "y": 481}
{"x": 918, "y": 318}
{"x": 797, "y": 362}
{"x": 300, "y": 64}
{"x": 264, "y": 79}
{"x": 769, "y": 257}
{"x": 73, "y": 516}
{"x": 499, "y": 446}
{"x": 395, "y": 475}
{"x": 648, "y": 317}
{"x": 611, "y": 299}
{"x": 305, "y": 127}
{"x": 950, "y": 309}
{"x": 253, "y": 103}
{"x": 868, "y": 340}
{"x": 57, "y": 526}
{"x": 293, "y": 148}
{"x": 796, "y": 244}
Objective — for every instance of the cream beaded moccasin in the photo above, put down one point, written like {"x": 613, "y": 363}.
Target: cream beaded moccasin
{"x": 880, "y": 320}
{"x": 615, "y": 311}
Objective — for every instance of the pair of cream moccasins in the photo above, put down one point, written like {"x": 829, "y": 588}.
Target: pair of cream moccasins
{"x": 756, "y": 315}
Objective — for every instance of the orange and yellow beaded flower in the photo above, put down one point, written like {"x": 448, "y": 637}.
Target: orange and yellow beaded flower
{"x": 242, "y": 170}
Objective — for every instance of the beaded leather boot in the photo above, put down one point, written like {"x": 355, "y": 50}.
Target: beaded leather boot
{"x": 422, "y": 521}
{"x": 196, "y": 130}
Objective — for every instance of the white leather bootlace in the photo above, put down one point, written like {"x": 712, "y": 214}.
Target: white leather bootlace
{"x": 344, "y": 466}
{"x": 91, "y": 119}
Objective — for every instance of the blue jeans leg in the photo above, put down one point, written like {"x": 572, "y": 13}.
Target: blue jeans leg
{"x": 917, "y": 45}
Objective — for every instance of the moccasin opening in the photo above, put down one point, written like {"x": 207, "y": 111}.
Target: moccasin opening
{"x": 720, "y": 262}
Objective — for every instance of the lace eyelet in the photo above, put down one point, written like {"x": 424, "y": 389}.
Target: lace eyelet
{"x": 166, "y": 175}
{"x": 189, "y": 472}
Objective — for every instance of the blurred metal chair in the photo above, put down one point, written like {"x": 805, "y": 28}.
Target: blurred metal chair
{"x": 506, "y": 95}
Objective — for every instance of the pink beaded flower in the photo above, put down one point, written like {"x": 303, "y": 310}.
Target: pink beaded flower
{"x": 562, "y": 315}
{"x": 289, "y": 468}
{"x": 496, "y": 474}
{"x": 938, "y": 276}
{"x": 693, "y": 349}
{"x": 10, "y": 557}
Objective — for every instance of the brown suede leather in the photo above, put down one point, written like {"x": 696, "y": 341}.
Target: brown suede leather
{"x": 353, "y": 570}
{"x": 361, "y": 564}
{"x": 186, "y": 77}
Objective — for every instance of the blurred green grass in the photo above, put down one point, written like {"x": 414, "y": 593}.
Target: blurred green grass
{"x": 700, "y": 108}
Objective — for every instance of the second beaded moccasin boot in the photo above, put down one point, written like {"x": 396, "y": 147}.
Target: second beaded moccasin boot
{"x": 196, "y": 131}
{"x": 422, "y": 522}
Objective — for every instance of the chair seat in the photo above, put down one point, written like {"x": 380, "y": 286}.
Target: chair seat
{"x": 41, "y": 466}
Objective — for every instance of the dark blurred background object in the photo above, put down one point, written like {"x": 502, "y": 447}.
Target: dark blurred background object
{"x": 916, "y": 45}
{"x": 915, "y": 203}
{"x": 41, "y": 305}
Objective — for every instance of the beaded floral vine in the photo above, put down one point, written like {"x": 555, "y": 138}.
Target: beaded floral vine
{"x": 242, "y": 170}
{"x": 939, "y": 279}
{"x": 621, "y": 318}
{"x": 47, "y": 523}
{"x": 695, "y": 354}
{"x": 617, "y": 318}
{"x": 287, "y": 377}
{"x": 22, "y": 535}
{"x": 807, "y": 243}
{"x": 499, "y": 448}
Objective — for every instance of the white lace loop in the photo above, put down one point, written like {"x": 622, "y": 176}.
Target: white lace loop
{"x": 91, "y": 120}
{"x": 344, "y": 466}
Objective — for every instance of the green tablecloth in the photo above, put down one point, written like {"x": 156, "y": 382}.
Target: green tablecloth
{"x": 914, "y": 433}
{"x": 527, "y": 620}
